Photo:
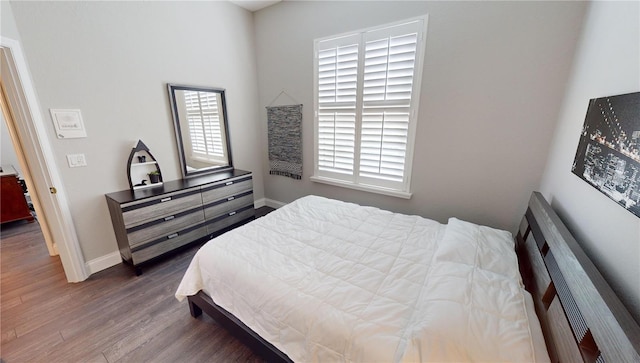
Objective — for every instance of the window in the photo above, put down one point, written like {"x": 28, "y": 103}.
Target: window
{"x": 203, "y": 118}
{"x": 366, "y": 92}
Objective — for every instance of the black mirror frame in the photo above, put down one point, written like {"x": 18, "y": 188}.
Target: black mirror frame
{"x": 171, "y": 87}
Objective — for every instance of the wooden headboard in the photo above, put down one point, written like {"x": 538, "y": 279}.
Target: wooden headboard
{"x": 581, "y": 317}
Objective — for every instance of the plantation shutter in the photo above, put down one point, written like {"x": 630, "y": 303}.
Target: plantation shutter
{"x": 337, "y": 72}
{"x": 203, "y": 118}
{"x": 389, "y": 67}
{"x": 366, "y": 96}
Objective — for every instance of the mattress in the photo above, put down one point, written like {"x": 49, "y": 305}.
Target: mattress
{"x": 324, "y": 280}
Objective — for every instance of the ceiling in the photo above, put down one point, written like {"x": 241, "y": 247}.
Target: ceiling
{"x": 254, "y": 5}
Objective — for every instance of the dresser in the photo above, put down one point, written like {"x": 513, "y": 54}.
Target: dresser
{"x": 13, "y": 205}
{"x": 150, "y": 223}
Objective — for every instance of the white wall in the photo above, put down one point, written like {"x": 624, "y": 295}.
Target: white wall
{"x": 607, "y": 63}
{"x": 8, "y": 29}
{"x": 112, "y": 60}
{"x": 8, "y": 26}
{"x": 493, "y": 81}
{"x": 8, "y": 156}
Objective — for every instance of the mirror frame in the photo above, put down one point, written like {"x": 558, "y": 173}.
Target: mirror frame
{"x": 171, "y": 87}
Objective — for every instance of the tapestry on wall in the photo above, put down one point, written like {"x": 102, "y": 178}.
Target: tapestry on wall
{"x": 285, "y": 140}
{"x": 608, "y": 155}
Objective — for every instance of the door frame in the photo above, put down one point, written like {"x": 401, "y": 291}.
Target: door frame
{"x": 8, "y": 119}
{"x": 45, "y": 179}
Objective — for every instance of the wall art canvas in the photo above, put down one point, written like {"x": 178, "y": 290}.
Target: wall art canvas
{"x": 608, "y": 155}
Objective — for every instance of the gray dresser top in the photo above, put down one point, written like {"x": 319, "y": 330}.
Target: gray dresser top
{"x": 125, "y": 196}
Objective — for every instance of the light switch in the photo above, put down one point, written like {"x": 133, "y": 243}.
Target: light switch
{"x": 76, "y": 160}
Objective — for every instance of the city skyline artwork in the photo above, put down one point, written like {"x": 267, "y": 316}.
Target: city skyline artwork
{"x": 608, "y": 155}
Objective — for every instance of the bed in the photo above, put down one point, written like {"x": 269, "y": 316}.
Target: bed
{"x": 325, "y": 280}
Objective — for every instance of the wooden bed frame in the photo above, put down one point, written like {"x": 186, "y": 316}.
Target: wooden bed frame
{"x": 581, "y": 317}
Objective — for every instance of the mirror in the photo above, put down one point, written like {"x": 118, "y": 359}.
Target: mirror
{"x": 200, "y": 121}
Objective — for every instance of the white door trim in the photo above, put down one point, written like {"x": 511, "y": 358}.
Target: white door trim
{"x": 38, "y": 153}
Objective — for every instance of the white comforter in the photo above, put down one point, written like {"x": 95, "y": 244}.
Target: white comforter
{"x": 329, "y": 281}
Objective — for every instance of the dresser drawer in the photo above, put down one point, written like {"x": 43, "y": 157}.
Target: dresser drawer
{"x": 163, "y": 226}
{"x": 167, "y": 243}
{"x": 226, "y": 189}
{"x": 135, "y": 214}
{"x": 231, "y": 218}
{"x": 229, "y": 204}
{"x": 152, "y": 222}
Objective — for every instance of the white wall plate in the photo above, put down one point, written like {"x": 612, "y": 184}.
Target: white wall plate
{"x": 68, "y": 123}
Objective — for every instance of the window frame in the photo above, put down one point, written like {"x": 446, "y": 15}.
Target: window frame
{"x": 354, "y": 180}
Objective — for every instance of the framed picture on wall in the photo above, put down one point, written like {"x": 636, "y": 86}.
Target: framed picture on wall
{"x": 608, "y": 155}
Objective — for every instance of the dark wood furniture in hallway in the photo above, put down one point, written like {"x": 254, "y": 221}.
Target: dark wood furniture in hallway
{"x": 13, "y": 205}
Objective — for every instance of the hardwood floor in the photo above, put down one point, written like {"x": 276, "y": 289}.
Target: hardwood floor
{"x": 113, "y": 316}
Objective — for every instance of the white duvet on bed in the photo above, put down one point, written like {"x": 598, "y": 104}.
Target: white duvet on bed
{"x": 324, "y": 280}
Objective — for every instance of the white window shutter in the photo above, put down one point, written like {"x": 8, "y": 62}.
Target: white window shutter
{"x": 337, "y": 72}
{"x": 389, "y": 68}
{"x": 367, "y": 90}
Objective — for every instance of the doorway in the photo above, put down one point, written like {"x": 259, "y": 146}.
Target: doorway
{"x": 23, "y": 116}
{"x": 18, "y": 203}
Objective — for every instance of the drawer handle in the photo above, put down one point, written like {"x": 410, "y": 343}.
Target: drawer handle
{"x": 231, "y": 198}
{"x": 169, "y": 218}
{"x": 232, "y": 213}
{"x": 174, "y": 235}
{"x": 228, "y": 183}
{"x": 165, "y": 199}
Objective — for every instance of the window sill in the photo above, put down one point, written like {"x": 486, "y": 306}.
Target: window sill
{"x": 364, "y": 188}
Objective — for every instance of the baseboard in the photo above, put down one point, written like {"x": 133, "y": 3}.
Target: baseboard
{"x": 274, "y": 203}
{"x": 259, "y": 203}
{"x": 268, "y": 202}
{"x": 103, "y": 262}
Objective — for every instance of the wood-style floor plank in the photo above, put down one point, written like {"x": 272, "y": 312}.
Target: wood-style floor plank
{"x": 114, "y": 316}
